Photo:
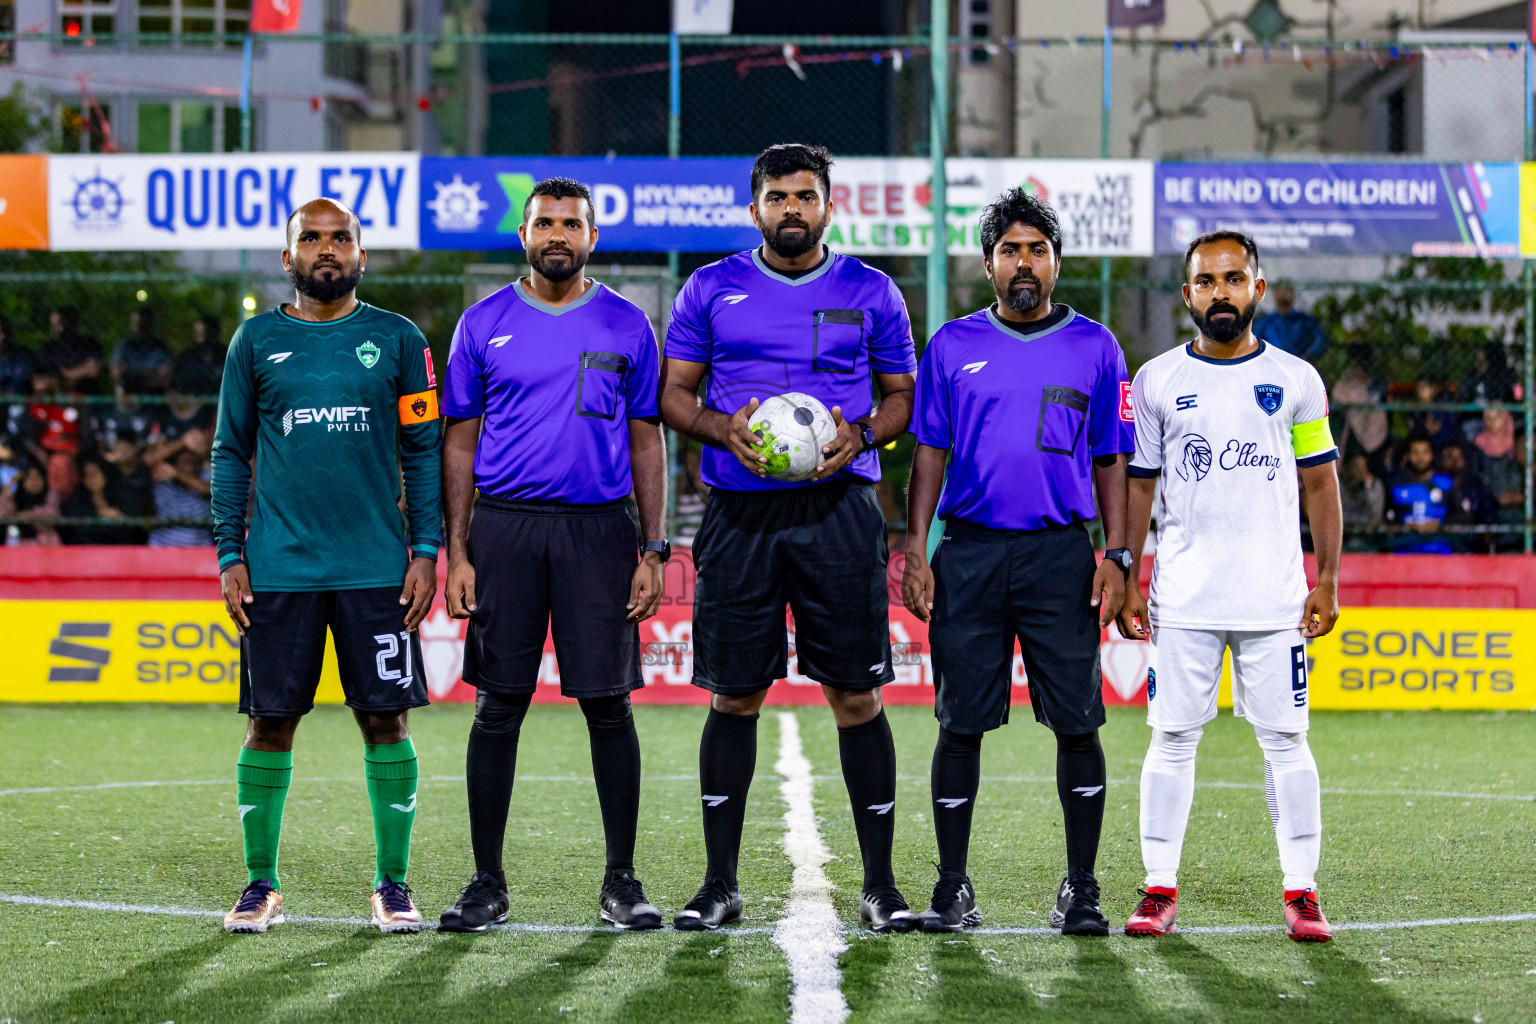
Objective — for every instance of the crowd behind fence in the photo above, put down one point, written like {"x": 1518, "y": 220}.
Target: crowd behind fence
{"x": 108, "y": 419}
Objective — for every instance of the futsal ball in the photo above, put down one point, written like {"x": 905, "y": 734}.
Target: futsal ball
{"x": 792, "y": 428}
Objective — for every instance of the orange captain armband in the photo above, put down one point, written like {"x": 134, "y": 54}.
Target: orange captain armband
{"x": 418, "y": 408}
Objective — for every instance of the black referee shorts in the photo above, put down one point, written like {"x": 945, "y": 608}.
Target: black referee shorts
{"x": 543, "y": 567}
{"x": 282, "y": 652}
{"x": 820, "y": 550}
{"x": 991, "y": 586}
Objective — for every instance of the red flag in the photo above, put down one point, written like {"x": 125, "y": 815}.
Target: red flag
{"x": 276, "y": 15}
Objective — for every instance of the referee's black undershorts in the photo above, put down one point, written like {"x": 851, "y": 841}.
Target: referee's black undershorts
{"x": 551, "y": 567}
{"x": 991, "y": 586}
{"x": 819, "y": 549}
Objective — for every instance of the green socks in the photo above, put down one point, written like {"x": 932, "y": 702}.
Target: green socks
{"x": 261, "y": 786}
{"x": 392, "y": 791}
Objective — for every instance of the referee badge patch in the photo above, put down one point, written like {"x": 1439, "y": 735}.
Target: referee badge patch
{"x": 418, "y": 408}
{"x": 426, "y": 354}
{"x": 1126, "y": 414}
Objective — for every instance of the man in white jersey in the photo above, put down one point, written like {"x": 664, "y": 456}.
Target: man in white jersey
{"x": 1225, "y": 423}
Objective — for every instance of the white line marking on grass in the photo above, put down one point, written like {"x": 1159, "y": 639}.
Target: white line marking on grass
{"x": 1524, "y": 798}
{"x": 136, "y": 908}
{"x": 231, "y": 781}
{"x": 810, "y": 934}
{"x": 1246, "y": 929}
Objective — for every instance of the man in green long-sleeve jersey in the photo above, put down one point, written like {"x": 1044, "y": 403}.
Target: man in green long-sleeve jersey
{"x": 336, "y": 401}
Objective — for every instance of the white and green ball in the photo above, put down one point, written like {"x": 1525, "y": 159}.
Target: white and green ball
{"x": 792, "y": 428}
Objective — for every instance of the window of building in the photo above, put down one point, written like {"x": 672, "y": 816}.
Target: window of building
{"x": 84, "y": 129}
{"x": 188, "y": 126}
{"x": 82, "y": 20}
{"x": 200, "y": 20}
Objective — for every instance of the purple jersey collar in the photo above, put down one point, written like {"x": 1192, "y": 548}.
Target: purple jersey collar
{"x": 807, "y": 278}
{"x": 544, "y": 307}
{"x": 1014, "y": 332}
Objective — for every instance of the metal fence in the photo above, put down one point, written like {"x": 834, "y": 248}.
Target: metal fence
{"x": 1408, "y": 345}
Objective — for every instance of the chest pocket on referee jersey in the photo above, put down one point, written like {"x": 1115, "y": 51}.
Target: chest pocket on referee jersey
{"x": 839, "y": 333}
{"x": 1063, "y": 414}
{"x": 597, "y": 386}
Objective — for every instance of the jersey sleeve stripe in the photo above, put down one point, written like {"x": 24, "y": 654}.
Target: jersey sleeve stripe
{"x": 1321, "y": 459}
{"x": 1143, "y": 472}
{"x": 418, "y": 408}
{"x": 1311, "y": 438}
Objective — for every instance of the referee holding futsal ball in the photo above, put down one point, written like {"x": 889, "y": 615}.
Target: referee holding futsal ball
{"x": 1029, "y": 403}
{"x": 551, "y": 406}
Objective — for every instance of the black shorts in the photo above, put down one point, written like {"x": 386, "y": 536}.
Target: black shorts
{"x": 991, "y": 586}
{"x": 284, "y": 648}
{"x": 543, "y": 567}
{"x": 819, "y": 549}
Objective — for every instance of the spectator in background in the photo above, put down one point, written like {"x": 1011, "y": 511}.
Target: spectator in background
{"x": 691, "y": 494}
{"x": 183, "y": 409}
{"x": 1366, "y": 431}
{"x": 1467, "y": 503}
{"x": 78, "y": 358}
{"x": 1438, "y": 425}
{"x": 1365, "y": 503}
{"x": 54, "y": 426}
{"x": 102, "y": 493}
{"x": 1503, "y": 471}
{"x": 141, "y": 364}
{"x": 1289, "y": 328}
{"x": 201, "y": 367}
{"x": 179, "y": 468}
{"x": 29, "y": 499}
{"x": 1418, "y": 501}
{"x": 15, "y": 363}
{"x": 1491, "y": 379}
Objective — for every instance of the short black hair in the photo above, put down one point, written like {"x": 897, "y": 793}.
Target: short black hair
{"x": 1018, "y": 206}
{"x": 561, "y": 188}
{"x": 1417, "y": 436}
{"x": 787, "y": 158}
{"x": 1212, "y": 237}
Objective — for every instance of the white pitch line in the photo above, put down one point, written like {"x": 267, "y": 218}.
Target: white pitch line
{"x": 134, "y": 908}
{"x": 1246, "y": 929}
{"x": 810, "y": 934}
{"x": 230, "y": 781}
{"x": 1451, "y": 795}
{"x": 1232, "y": 929}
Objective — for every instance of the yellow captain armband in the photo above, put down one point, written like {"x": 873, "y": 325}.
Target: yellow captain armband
{"x": 1311, "y": 438}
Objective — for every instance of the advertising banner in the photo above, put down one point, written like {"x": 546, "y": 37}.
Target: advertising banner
{"x": 1345, "y": 209}
{"x": 23, "y": 202}
{"x": 641, "y": 204}
{"x": 882, "y": 206}
{"x": 225, "y": 201}
{"x": 187, "y": 651}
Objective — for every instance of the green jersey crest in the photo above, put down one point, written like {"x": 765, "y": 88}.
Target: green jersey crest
{"x": 368, "y": 353}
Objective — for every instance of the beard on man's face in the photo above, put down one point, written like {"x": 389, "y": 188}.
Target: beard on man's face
{"x": 1224, "y": 330}
{"x": 1023, "y": 292}
{"x": 342, "y": 280}
{"x": 789, "y": 244}
{"x": 557, "y": 262}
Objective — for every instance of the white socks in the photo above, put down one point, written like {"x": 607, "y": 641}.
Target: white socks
{"x": 1295, "y": 804}
{"x": 1290, "y": 783}
{"x": 1167, "y": 790}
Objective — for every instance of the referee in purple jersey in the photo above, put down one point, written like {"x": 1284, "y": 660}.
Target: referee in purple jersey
{"x": 551, "y": 404}
{"x": 1028, "y": 402}
{"x": 791, "y": 315}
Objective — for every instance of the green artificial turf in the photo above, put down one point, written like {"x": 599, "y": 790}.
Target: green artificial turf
{"x": 1389, "y": 855}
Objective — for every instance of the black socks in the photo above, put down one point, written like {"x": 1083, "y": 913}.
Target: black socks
{"x": 1080, "y": 779}
{"x": 868, "y": 755}
{"x": 491, "y": 765}
{"x": 489, "y": 768}
{"x": 616, "y": 767}
{"x": 955, "y": 778}
{"x": 727, "y": 759}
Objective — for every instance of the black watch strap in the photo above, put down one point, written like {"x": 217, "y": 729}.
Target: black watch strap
{"x": 660, "y": 547}
{"x": 1121, "y": 557}
{"x": 867, "y": 432}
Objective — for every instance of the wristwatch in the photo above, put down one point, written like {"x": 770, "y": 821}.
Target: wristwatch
{"x": 660, "y": 547}
{"x": 867, "y": 432}
{"x": 1122, "y": 558}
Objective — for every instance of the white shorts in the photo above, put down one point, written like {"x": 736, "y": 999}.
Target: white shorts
{"x": 1269, "y": 677}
